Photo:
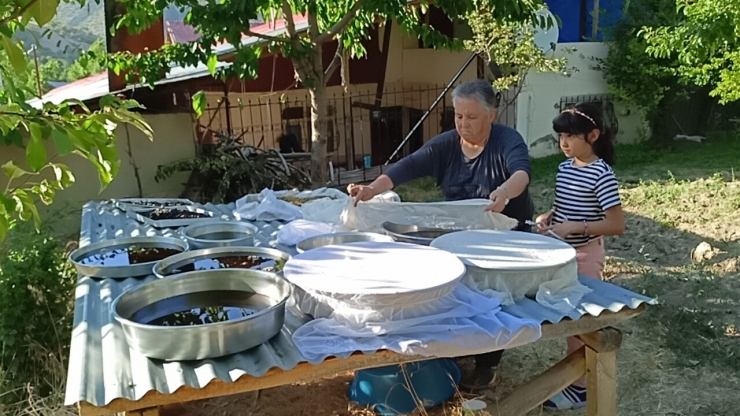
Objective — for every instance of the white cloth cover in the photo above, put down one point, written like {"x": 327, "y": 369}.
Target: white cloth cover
{"x": 462, "y": 323}
{"x": 509, "y": 265}
{"x": 373, "y": 275}
{"x": 330, "y": 210}
{"x": 467, "y": 215}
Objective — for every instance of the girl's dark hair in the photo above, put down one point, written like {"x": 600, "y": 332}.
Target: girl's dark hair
{"x": 571, "y": 122}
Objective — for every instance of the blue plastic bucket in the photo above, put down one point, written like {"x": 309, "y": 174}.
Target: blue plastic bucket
{"x": 385, "y": 389}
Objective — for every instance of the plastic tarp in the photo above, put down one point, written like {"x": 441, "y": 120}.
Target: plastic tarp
{"x": 268, "y": 205}
{"x": 509, "y": 265}
{"x": 398, "y": 296}
{"x": 464, "y": 215}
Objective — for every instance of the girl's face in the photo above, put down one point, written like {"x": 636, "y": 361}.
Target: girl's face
{"x": 578, "y": 146}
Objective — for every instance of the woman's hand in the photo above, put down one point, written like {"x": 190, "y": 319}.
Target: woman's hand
{"x": 361, "y": 192}
{"x": 543, "y": 221}
{"x": 498, "y": 200}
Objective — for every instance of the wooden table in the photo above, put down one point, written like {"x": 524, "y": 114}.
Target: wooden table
{"x": 597, "y": 360}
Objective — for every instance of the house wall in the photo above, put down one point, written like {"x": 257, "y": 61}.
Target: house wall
{"x": 173, "y": 140}
{"x": 539, "y": 101}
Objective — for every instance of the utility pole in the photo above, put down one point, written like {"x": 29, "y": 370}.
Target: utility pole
{"x": 38, "y": 74}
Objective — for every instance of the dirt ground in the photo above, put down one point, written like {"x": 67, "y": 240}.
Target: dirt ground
{"x": 682, "y": 246}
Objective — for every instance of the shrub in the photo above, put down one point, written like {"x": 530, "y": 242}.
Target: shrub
{"x": 36, "y": 300}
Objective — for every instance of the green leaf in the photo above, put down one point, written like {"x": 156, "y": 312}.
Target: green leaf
{"x": 199, "y": 103}
{"x": 14, "y": 172}
{"x": 63, "y": 175}
{"x": 36, "y": 151}
{"x": 15, "y": 54}
{"x": 62, "y": 142}
{"x": 4, "y": 223}
{"x": 43, "y": 11}
{"x": 13, "y": 137}
{"x": 212, "y": 62}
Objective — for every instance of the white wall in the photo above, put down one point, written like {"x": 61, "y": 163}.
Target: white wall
{"x": 173, "y": 140}
{"x": 539, "y": 101}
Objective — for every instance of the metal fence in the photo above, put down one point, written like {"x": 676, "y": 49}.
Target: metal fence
{"x": 365, "y": 126}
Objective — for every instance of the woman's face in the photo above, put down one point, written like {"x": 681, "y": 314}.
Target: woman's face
{"x": 473, "y": 121}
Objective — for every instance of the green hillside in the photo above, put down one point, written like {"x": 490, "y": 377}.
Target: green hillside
{"x": 73, "y": 30}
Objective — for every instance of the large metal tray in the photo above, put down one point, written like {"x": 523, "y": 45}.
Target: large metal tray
{"x": 339, "y": 238}
{"x": 414, "y": 234}
{"x": 178, "y": 222}
{"x": 170, "y": 265}
{"x": 122, "y": 271}
{"x": 140, "y": 204}
{"x": 219, "y": 234}
{"x": 137, "y": 308}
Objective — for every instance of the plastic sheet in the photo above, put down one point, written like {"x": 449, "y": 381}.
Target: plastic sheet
{"x": 461, "y": 323}
{"x": 296, "y": 231}
{"x": 509, "y": 265}
{"x": 463, "y": 215}
{"x": 268, "y": 205}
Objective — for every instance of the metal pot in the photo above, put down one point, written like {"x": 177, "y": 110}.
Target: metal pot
{"x": 121, "y": 271}
{"x": 339, "y": 238}
{"x": 414, "y": 234}
{"x": 169, "y": 265}
{"x": 219, "y": 234}
{"x": 137, "y": 308}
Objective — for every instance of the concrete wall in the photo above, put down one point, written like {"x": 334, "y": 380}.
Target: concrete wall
{"x": 539, "y": 100}
{"x": 173, "y": 140}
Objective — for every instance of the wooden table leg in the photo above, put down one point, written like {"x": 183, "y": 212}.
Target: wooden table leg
{"x": 601, "y": 371}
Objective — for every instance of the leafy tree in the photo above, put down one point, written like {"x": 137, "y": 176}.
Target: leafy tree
{"x": 647, "y": 81}
{"x": 72, "y": 126}
{"x": 509, "y": 46}
{"x": 83, "y": 66}
{"x": 704, "y": 42}
{"x": 347, "y": 21}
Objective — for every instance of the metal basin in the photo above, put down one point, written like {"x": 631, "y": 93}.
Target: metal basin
{"x": 414, "y": 234}
{"x": 206, "y": 259}
{"x": 219, "y": 234}
{"x": 91, "y": 260}
{"x": 236, "y": 309}
{"x": 339, "y": 238}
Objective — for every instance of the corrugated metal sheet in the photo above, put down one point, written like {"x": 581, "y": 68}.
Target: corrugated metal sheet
{"x": 103, "y": 368}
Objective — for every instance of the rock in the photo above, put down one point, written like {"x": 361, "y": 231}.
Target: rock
{"x": 703, "y": 252}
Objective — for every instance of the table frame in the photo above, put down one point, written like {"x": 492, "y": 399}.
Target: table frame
{"x": 597, "y": 359}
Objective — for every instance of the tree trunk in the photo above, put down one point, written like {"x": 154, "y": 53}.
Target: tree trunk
{"x": 319, "y": 133}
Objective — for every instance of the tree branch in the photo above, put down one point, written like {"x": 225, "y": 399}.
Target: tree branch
{"x": 336, "y": 61}
{"x": 265, "y": 37}
{"x": 288, "y": 16}
{"x": 313, "y": 27}
{"x": 334, "y": 30}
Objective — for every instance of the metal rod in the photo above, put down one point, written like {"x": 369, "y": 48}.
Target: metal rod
{"x": 434, "y": 104}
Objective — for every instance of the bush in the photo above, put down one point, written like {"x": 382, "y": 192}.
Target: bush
{"x": 36, "y": 302}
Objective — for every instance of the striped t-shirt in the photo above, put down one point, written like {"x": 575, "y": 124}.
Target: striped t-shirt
{"x": 584, "y": 193}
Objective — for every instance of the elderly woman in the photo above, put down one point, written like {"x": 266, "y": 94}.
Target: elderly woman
{"x": 479, "y": 159}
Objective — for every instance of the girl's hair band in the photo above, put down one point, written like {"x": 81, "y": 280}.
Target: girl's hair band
{"x": 573, "y": 110}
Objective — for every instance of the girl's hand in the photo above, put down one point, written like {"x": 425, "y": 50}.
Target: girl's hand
{"x": 543, "y": 222}
{"x": 565, "y": 229}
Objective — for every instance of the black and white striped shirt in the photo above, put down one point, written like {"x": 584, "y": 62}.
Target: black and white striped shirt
{"x": 584, "y": 193}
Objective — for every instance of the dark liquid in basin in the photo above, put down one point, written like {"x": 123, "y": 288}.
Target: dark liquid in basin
{"x": 222, "y": 235}
{"x": 427, "y": 234}
{"x": 202, "y": 308}
{"x": 172, "y": 214}
{"x": 128, "y": 256}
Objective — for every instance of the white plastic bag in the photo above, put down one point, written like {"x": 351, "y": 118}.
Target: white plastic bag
{"x": 296, "y": 231}
{"x": 267, "y": 208}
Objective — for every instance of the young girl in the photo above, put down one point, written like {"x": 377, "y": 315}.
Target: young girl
{"x": 587, "y": 207}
